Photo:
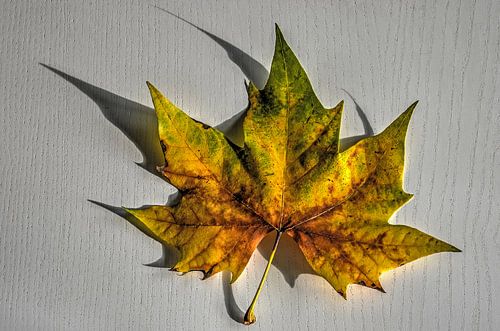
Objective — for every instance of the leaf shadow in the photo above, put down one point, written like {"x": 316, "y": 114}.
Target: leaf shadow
{"x": 169, "y": 254}
{"x": 232, "y": 308}
{"x": 250, "y": 67}
{"x": 289, "y": 260}
{"x": 138, "y": 122}
{"x": 347, "y": 142}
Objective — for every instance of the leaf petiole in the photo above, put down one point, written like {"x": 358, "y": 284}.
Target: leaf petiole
{"x": 249, "y": 315}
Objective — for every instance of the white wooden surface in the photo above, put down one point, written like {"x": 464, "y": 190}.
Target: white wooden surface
{"x": 68, "y": 264}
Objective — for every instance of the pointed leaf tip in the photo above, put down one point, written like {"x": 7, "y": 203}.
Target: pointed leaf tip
{"x": 453, "y": 249}
{"x": 251, "y": 88}
{"x": 403, "y": 120}
{"x": 279, "y": 34}
{"x": 152, "y": 88}
{"x": 409, "y": 111}
{"x": 341, "y": 104}
{"x": 411, "y": 108}
{"x": 234, "y": 278}
{"x": 155, "y": 93}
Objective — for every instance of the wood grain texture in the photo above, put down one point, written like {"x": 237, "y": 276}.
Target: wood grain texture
{"x": 68, "y": 264}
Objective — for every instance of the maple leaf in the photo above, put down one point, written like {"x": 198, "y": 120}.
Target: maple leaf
{"x": 290, "y": 178}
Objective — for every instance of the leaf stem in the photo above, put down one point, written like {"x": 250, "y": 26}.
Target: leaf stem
{"x": 249, "y": 315}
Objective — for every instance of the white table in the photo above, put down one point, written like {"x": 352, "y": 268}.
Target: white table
{"x": 68, "y": 264}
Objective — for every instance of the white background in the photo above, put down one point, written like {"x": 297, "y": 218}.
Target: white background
{"x": 68, "y": 264}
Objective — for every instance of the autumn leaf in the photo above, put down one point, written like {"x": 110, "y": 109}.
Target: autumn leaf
{"x": 289, "y": 178}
